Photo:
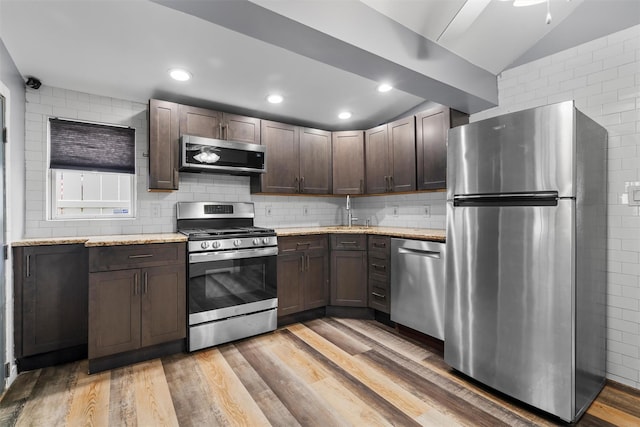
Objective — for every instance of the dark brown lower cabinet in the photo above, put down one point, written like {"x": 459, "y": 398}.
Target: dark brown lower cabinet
{"x": 50, "y": 297}
{"x": 349, "y": 270}
{"x": 379, "y": 272}
{"x": 303, "y": 274}
{"x": 136, "y": 308}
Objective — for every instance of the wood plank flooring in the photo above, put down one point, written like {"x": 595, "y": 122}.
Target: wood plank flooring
{"x": 326, "y": 372}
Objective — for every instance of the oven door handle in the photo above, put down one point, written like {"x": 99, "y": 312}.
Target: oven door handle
{"x": 229, "y": 255}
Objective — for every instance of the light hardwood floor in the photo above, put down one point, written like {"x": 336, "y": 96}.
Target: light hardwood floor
{"x": 326, "y": 372}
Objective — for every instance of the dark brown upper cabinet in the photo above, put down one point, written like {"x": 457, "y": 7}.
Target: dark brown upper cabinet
{"x": 298, "y": 160}
{"x": 348, "y": 162}
{"x": 200, "y": 122}
{"x": 164, "y": 145}
{"x": 215, "y": 124}
{"x": 390, "y": 157}
{"x": 432, "y": 127}
{"x": 168, "y": 121}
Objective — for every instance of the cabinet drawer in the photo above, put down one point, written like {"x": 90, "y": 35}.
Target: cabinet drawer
{"x": 378, "y": 295}
{"x": 349, "y": 242}
{"x": 379, "y": 268}
{"x": 302, "y": 243}
{"x": 106, "y": 258}
{"x": 380, "y": 245}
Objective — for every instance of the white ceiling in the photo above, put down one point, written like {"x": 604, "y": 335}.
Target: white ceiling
{"x": 323, "y": 56}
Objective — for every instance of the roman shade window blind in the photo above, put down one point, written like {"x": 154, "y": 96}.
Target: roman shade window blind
{"x": 91, "y": 147}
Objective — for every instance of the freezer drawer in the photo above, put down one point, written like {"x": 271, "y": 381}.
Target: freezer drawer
{"x": 417, "y": 285}
{"x": 510, "y": 300}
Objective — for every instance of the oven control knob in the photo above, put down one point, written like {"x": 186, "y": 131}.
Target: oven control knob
{"x": 256, "y": 241}
{"x": 215, "y": 244}
{"x": 265, "y": 240}
{"x": 204, "y": 245}
{"x": 237, "y": 242}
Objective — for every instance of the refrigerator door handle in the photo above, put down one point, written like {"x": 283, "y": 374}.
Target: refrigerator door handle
{"x": 547, "y": 198}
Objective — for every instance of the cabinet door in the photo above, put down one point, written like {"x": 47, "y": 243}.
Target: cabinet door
{"x": 200, "y": 122}
{"x": 241, "y": 128}
{"x": 54, "y": 298}
{"x": 349, "y": 278}
{"x": 315, "y": 161}
{"x": 402, "y": 144}
{"x": 290, "y": 291}
{"x": 163, "y": 304}
{"x": 114, "y": 312}
{"x": 431, "y": 144}
{"x": 316, "y": 279}
{"x": 282, "y": 156}
{"x": 376, "y": 161}
{"x": 164, "y": 145}
{"x": 348, "y": 162}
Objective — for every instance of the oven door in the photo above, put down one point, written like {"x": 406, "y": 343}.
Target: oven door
{"x": 231, "y": 283}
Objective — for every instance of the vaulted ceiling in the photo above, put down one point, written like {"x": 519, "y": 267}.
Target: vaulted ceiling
{"x": 323, "y": 56}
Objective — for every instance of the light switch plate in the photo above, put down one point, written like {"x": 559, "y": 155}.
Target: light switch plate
{"x": 633, "y": 192}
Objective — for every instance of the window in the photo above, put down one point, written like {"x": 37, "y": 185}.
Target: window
{"x": 91, "y": 170}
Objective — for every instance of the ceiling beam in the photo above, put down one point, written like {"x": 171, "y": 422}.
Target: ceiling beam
{"x": 353, "y": 37}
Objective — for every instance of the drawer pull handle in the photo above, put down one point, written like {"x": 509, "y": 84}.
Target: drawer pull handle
{"x": 379, "y": 245}
{"x": 140, "y": 256}
{"x": 145, "y": 283}
{"x": 303, "y": 244}
{"x": 379, "y": 267}
{"x": 348, "y": 243}
{"x": 375, "y": 294}
{"x": 28, "y": 266}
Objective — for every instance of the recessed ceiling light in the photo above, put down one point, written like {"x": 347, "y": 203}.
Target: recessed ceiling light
{"x": 384, "y": 87}
{"x": 275, "y": 99}
{"x": 344, "y": 115}
{"x": 179, "y": 74}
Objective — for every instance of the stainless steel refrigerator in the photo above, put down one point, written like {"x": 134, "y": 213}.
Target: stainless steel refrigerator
{"x": 525, "y": 304}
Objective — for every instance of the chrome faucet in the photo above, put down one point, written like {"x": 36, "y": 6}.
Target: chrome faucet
{"x": 350, "y": 217}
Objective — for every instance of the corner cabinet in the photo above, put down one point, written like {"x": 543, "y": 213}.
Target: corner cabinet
{"x": 298, "y": 160}
{"x": 303, "y": 273}
{"x": 390, "y": 157}
{"x": 164, "y": 145}
{"x": 349, "y": 270}
{"x": 137, "y": 301}
{"x": 348, "y": 162}
{"x": 432, "y": 128}
{"x": 50, "y": 311}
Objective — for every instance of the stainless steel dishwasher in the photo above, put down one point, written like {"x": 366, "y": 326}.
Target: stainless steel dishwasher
{"x": 418, "y": 285}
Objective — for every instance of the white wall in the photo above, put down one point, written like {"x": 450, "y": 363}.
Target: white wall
{"x": 603, "y": 77}
{"x": 12, "y": 87}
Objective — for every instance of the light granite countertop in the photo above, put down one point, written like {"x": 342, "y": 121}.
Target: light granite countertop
{"x": 116, "y": 240}
{"x": 141, "y": 239}
{"x": 437, "y": 235}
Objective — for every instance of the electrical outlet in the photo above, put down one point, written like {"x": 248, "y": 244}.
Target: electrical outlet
{"x": 395, "y": 210}
{"x": 427, "y": 211}
{"x": 155, "y": 210}
{"x": 305, "y": 210}
{"x": 267, "y": 210}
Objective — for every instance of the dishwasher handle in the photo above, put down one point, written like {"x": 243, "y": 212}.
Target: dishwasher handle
{"x": 421, "y": 252}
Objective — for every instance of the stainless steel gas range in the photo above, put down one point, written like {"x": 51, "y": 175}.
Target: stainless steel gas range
{"x": 232, "y": 290}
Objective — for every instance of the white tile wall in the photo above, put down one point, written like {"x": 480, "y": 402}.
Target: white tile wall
{"x": 603, "y": 77}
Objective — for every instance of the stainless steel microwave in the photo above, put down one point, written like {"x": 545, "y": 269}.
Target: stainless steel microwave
{"x": 200, "y": 154}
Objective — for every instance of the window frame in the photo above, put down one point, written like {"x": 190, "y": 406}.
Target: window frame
{"x": 51, "y": 195}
